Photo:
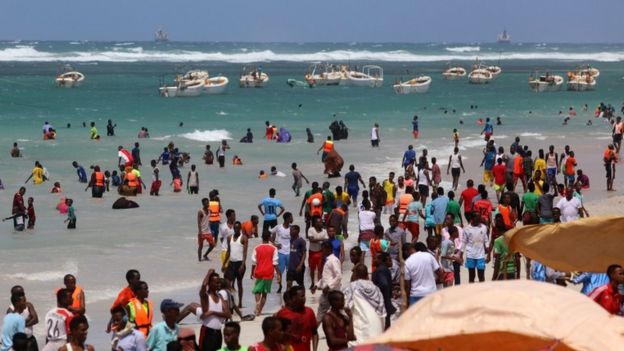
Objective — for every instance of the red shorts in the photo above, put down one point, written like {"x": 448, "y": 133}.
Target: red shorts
{"x": 155, "y": 185}
{"x": 413, "y": 228}
{"x": 205, "y": 236}
{"x": 415, "y": 133}
{"x": 449, "y": 278}
{"x": 314, "y": 260}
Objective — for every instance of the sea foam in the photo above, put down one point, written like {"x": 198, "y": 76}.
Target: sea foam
{"x": 25, "y": 53}
{"x": 207, "y": 135}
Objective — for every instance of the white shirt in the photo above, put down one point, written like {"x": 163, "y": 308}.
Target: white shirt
{"x": 225, "y": 231}
{"x": 460, "y": 236}
{"x": 420, "y": 270}
{"x": 313, "y": 234}
{"x": 332, "y": 273}
{"x": 367, "y": 220}
{"x": 455, "y": 161}
{"x": 213, "y": 322}
{"x": 282, "y": 237}
{"x": 474, "y": 241}
{"x": 569, "y": 209}
{"x": 374, "y": 133}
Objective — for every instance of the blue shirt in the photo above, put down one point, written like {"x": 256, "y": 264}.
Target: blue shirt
{"x": 13, "y": 323}
{"x": 415, "y": 126}
{"x": 488, "y": 127}
{"x": 270, "y": 205}
{"x": 590, "y": 281}
{"x": 82, "y": 175}
{"x": 490, "y": 157}
{"x": 160, "y": 336}
{"x": 165, "y": 158}
{"x": 135, "y": 341}
{"x": 439, "y": 208}
{"x": 408, "y": 157}
{"x": 352, "y": 178}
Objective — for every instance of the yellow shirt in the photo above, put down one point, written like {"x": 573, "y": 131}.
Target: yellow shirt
{"x": 540, "y": 164}
{"x": 538, "y": 190}
{"x": 37, "y": 175}
{"x": 344, "y": 197}
{"x": 389, "y": 188}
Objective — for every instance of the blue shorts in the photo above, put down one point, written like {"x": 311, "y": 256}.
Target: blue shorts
{"x": 353, "y": 191}
{"x": 570, "y": 178}
{"x": 544, "y": 220}
{"x": 478, "y": 263}
{"x": 214, "y": 228}
{"x": 551, "y": 173}
{"x": 365, "y": 245}
{"x": 282, "y": 262}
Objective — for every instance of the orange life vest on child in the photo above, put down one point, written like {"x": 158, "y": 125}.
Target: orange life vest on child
{"x": 99, "y": 178}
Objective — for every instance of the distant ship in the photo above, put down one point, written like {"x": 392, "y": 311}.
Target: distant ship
{"x": 161, "y": 36}
{"x": 503, "y": 38}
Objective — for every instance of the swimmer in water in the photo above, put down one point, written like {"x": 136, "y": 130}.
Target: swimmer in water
{"x": 181, "y": 124}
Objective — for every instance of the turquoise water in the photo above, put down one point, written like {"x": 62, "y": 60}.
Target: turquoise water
{"x": 121, "y": 84}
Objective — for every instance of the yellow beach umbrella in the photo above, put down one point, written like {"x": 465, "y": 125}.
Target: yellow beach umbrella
{"x": 586, "y": 245}
{"x": 515, "y": 315}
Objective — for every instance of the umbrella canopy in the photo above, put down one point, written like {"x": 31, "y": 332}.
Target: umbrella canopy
{"x": 516, "y": 315}
{"x": 586, "y": 245}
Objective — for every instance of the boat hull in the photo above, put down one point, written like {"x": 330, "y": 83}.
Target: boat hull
{"x": 581, "y": 86}
{"x": 248, "y": 81}
{"x": 542, "y": 86}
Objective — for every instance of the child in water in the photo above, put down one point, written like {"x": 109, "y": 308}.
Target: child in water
{"x": 177, "y": 184}
{"x": 31, "y": 213}
{"x": 71, "y": 214}
{"x": 116, "y": 179}
{"x": 56, "y": 188}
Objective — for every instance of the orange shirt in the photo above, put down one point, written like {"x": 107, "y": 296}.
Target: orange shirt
{"x": 569, "y": 165}
{"x": 125, "y": 295}
{"x": 249, "y": 229}
{"x": 517, "y": 168}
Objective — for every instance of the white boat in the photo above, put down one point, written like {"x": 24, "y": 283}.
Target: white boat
{"x": 589, "y": 70}
{"x": 370, "y": 76}
{"x": 416, "y": 85}
{"x": 495, "y": 70}
{"x": 254, "y": 78}
{"x": 215, "y": 85}
{"x": 480, "y": 76}
{"x": 195, "y": 83}
{"x": 69, "y": 78}
{"x": 545, "y": 82}
{"x": 580, "y": 82}
{"x": 322, "y": 74}
{"x": 452, "y": 73}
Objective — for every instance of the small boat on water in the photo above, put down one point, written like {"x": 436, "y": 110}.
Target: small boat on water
{"x": 195, "y": 83}
{"x": 503, "y": 38}
{"x": 480, "y": 76}
{"x": 370, "y": 76}
{"x": 323, "y": 74}
{"x": 545, "y": 82}
{"x": 495, "y": 70}
{"x": 589, "y": 70}
{"x": 416, "y": 85}
{"x": 453, "y": 73}
{"x": 253, "y": 78}
{"x": 580, "y": 82}
{"x": 69, "y": 78}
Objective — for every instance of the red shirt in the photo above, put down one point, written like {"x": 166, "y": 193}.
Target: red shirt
{"x": 569, "y": 165}
{"x": 607, "y": 297}
{"x": 499, "y": 173}
{"x": 264, "y": 258}
{"x": 302, "y": 327}
{"x": 18, "y": 204}
{"x": 467, "y": 196}
{"x": 125, "y": 295}
{"x": 484, "y": 207}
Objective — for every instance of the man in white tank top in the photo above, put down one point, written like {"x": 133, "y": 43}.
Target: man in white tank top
{"x": 236, "y": 256}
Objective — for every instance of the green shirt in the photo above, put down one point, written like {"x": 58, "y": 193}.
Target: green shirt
{"x": 328, "y": 201}
{"x": 530, "y": 201}
{"x": 501, "y": 248}
{"x": 453, "y": 207}
{"x": 94, "y": 133}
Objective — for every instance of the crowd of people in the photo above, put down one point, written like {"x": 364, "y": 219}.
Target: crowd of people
{"x": 413, "y": 238}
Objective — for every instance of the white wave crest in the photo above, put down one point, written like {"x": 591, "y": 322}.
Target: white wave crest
{"x": 125, "y": 44}
{"x": 464, "y": 49}
{"x": 70, "y": 267}
{"x": 138, "y": 54}
{"x": 208, "y": 135}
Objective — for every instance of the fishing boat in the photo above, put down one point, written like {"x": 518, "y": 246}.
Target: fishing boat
{"x": 589, "y": 70}
{"x": 194, "y": 83}
{"x": 453, "y": 73}
{"x": 580, "y": 82}
{"x": 370, "y": 76}
{"x": 322, "y": 74}
{"x": 416, "y": 85}
{"x": 253, "y": 78}
{"x": 161, "y": 36}
{"x": 545, "y": 82}
{"x": 503, "y": 38}
{"x": 480, "y": 76}
{"x": 69, "y": 78}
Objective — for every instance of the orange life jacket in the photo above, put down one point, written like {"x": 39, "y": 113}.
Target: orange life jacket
{"x": 505, "y": 211}
{"x": 316, "y": 210}
{"x": 75, "y": 297}
{"x": 142, "y": 318}
{"x": 215, "y": 215}
{"x": 328, "y": 146}
{"x": 99, "y": 178}
{"x": 404, "y": 201}
{"x": 132, "y": 179}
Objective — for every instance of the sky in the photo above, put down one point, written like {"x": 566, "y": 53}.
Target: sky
{"x": 466, "y": 21}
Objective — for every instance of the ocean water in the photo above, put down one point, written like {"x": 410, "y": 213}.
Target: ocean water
{"x": 159, "y": 238}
